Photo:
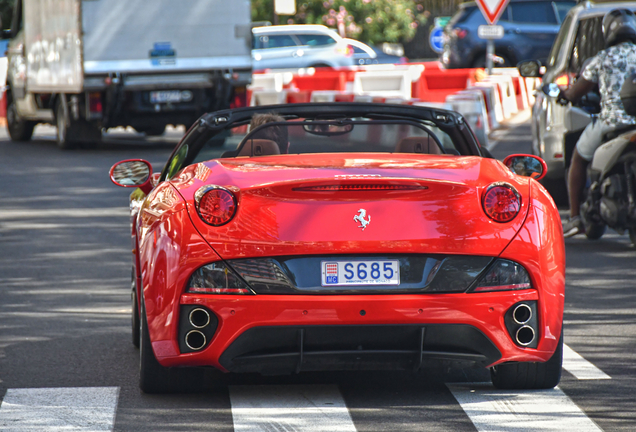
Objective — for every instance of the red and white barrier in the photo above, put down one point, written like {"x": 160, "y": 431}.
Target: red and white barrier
{"x": 484, "y": 101}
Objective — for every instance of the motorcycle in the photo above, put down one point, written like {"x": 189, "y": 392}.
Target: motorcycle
{"x": 610, "y": 195}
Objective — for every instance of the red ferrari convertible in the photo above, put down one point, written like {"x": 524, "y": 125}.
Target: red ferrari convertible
{"x": 343, "y": 236}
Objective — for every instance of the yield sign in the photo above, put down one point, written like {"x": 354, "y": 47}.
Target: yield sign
{"x": 492, "y": 9}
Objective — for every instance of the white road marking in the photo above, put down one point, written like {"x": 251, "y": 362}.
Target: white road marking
{"x": 579, "y": 367}
{"x": 86, "y": 409}
{"x": 517, "y": 411}
{"x": 289, "y": 408}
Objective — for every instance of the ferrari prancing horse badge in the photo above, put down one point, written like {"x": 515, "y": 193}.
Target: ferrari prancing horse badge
{"x": 361, "y": 219}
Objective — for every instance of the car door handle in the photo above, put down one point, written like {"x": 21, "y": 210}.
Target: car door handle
{"x": 298, "y": 53}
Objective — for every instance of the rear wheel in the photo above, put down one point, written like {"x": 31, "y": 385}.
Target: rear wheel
{"x": 72, "y": 133}
{"x": 529, "y": 375}
{"x": 153, "y": 378}
{"x": 19, "y": 128}
{"x": 593, "y": 230}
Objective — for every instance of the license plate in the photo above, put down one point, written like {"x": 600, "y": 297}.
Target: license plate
{"x": 165, "y": 96}
{"x": 359, "y": 273}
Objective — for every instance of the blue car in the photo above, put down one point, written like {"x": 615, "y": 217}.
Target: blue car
{"x": 530, "y": 27}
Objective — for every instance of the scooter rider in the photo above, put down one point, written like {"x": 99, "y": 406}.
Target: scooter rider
{"x": 608, "y": 69}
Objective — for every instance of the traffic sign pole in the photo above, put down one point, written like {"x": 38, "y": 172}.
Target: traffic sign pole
{"x": 490, "y": 53}
{"x": 492, "y": 10}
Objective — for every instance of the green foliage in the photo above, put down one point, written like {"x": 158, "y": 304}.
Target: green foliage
{"x": 373, "y": 21}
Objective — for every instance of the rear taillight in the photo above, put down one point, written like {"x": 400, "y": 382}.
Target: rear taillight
{"x": 217, "y": 278}
{"x": 563, "y": 80}
{"x": 240, "y": 98}
{"x": 501, "y": 202}
{"x": 460, "y": 32}
{"x": 216, "y": 205}
{"x": 504, "y": 275}
{"x": 95, "y": 103}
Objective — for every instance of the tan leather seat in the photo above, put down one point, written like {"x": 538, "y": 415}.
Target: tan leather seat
{"x": 423, "y": 144}
{"x": 259, "y": 147}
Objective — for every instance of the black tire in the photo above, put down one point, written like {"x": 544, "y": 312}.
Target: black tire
{"x": 153, "y": 378}
{"x": 62, "y": 135}
{"x": 321, "y": 65}
{"x": 593, "y": 230}
{"x": 529, "y": 375}
{"x": 19, "y": 129}
{"x": 74, "y": 133}
{"x": 632, "y": 236}
{"x": 135, "y": 322}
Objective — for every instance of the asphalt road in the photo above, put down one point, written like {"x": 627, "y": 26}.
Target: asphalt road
{"x": 67, "y": 362}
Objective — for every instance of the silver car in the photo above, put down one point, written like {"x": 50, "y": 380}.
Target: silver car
{"x": 299, "y": 46}
{"x": 557, "y": 128}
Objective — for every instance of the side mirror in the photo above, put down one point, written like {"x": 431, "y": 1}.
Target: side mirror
{"x": 132, "y": 173}
{"x": 526, "y": 165}
{"x": 551, "y": 90}
{"x": 530, "y": 69}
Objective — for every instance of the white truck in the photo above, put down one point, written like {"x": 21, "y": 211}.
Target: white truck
{"x": 89, "y": 65}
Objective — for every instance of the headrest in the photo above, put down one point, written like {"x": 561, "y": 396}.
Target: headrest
{"x": 259, "y": 147}
{"x": 423, "y": 144}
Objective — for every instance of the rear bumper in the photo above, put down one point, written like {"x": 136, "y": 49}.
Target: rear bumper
{"x": 288, "y": 333}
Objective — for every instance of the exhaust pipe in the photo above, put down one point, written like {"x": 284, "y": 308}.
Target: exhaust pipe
{"x": 525, "y": 335}
{"x": 199, "y": 318}
{"x": 522, "y": 314}
{"x": 195, "y": 340}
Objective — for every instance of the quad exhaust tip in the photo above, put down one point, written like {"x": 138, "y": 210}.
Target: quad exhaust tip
{"x": 525, "y": 335}
{"x": 195, "y": 340}
{"x": 199, "y": 318}
{"x": 522, "y": 314}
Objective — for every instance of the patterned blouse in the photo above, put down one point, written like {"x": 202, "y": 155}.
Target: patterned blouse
{"x": 609, "y": 68}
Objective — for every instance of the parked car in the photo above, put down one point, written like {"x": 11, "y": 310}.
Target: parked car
{"x": 364, "y": 54}
{"x": 299, "y": 46}
{"x": 530, "y": 27}
{"x": 557, "y": 128}
{"x": 345, "y": 236}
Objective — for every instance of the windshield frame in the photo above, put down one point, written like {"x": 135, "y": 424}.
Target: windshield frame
{"x": 214, "y": 123}
{"x": 340, "y": 122}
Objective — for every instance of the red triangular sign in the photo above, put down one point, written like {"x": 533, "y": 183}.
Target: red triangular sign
{"x": 492, "y": 9}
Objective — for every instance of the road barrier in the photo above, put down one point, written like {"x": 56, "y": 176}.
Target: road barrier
{"x": 484, "y": 101}
{"x": 472, "y": 105}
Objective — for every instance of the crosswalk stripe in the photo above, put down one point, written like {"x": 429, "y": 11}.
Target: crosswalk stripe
{"x": 289, "y": 408}
{"x": 579, "y": 367}
{"x": 519, "y": 411}
{"x": 86, "y": 409}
